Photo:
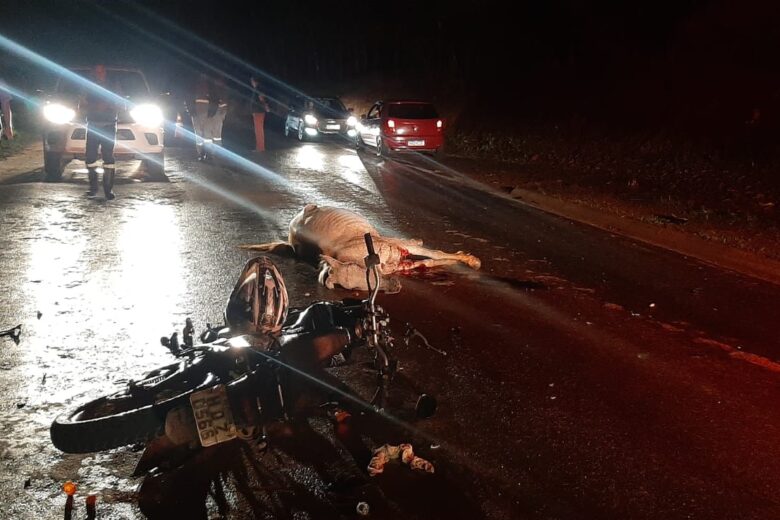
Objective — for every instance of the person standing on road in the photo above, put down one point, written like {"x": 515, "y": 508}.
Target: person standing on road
{"x": 6, "y": 121}
{"x": 217, "y": 111}
{"x": 101, "y": 115}
{"x": 199, "y": 111}
{"x": 259, "y": 108}
{"x": 208, "y": 115}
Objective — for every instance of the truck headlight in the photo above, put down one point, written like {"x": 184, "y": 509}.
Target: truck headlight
{"x": 351, "y": 121}
{"x": 58, "y": 114}
{"x": 147, "y": 115}
{"x": 310, "y": 119}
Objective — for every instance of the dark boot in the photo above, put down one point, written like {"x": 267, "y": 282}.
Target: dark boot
{"x": 93, "y": 182}
{"x": 108, "y": 182}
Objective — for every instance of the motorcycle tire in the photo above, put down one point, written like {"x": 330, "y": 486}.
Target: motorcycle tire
{"x": 132, "y": 415}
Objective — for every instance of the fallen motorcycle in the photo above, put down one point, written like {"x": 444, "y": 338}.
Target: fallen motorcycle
{"x": 231, "y": 386}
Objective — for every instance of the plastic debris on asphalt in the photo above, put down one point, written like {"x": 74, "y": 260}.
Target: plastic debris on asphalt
{"x": 404, "y": 452}
{"x": 14, "y": 333}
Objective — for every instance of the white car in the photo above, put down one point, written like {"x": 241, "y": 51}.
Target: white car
{"x": 139, "y": 129}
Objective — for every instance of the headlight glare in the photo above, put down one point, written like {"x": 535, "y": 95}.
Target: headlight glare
{"x": 351, "y": 121}
{"x": 58, "y": 114}
{"x": 310, "y": 119}
{"x": 147, "y": 115}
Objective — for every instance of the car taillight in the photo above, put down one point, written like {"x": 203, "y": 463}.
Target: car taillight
{"x": 390, "y": 123}
{"x": 439, "y": 123}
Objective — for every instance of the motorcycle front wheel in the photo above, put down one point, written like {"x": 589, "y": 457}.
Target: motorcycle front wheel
{"x": 132, "y": 415}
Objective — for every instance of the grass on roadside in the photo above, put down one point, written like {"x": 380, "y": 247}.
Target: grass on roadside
{"x": 21, "y": 140}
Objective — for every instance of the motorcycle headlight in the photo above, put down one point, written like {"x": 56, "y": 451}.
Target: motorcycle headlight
{"x": 58, "y": 114}
{"x": 351, "y": 121}
{"x": 310, "y": 119}
{"x": 147, "y": 115}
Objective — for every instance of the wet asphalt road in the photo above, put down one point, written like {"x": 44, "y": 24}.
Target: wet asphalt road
{"x": 586, "y": 376}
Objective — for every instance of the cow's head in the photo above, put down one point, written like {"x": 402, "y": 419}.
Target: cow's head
{"x": 351, "y": 276}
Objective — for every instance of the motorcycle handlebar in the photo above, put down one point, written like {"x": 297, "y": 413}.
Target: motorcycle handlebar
{"x": 369, "y": 243}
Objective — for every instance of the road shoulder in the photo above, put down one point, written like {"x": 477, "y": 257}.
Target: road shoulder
{"x": 633, "y": 221}
{"x": 28, "y": 160}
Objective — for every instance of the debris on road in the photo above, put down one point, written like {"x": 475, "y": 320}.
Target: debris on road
{"x": 14, "y": 333}
{"x": 671, "y": 219}
{"x": 405, "y": 452}
{"x": 69, "y": 488}
{"x": 91, "y": 506}
{"x": 411, "y": 332}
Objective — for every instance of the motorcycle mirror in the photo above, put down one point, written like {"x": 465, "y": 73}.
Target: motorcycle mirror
{"x": 425, "y": 406}
{"x": 165, "y": 342}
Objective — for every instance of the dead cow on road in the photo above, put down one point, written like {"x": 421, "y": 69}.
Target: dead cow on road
{"x": 335, "y": 236}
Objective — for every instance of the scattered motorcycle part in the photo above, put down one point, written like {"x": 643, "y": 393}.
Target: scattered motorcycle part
{"x": 411, "y": 332}
{"x": 425, "y": 406}
{"x": 14, "y": 333}
{"x": 91, "y": 506}
{"x": 188, "y": 332}
{"x": 362, "y": 508}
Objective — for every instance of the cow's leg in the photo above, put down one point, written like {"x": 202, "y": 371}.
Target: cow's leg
{"x": 411, "y": 265}
{"x": 278, "y": 248}
{"x": 440, "y": 257}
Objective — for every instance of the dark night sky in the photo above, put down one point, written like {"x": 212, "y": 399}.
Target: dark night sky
{"x": 663, "y": 60}
{"x": 486, "y": 38}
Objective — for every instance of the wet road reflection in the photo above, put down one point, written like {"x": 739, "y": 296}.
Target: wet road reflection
{"x": 151, "y": 275}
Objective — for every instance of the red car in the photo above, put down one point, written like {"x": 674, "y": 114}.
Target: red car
{"x": 401, "y": 125}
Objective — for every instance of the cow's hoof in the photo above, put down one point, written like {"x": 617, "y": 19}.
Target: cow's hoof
{"x": 473, "y": 262}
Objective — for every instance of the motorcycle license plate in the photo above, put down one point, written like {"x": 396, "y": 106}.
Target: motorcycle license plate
{"x": 213, "y": 416}
{"x": 332, "y": 127}
{"x": 417, "y": 143}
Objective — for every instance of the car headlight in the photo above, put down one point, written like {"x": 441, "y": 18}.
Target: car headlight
{"x": 310, "y": 119}
{"x": 58, "y": 114}
{"x": 147, "y": 115}
{"x": 351, "y": 121}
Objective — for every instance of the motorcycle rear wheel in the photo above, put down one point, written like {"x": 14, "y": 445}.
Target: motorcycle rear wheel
{"x": 132, "y": 415}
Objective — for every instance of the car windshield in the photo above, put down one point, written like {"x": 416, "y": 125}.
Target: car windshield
{"x": 412, "y": 111}
{"x": 126, "y": 83}
{"x": 331, "y": 106}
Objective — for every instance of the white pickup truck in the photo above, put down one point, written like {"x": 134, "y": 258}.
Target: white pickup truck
{"x": 139, "y": 130}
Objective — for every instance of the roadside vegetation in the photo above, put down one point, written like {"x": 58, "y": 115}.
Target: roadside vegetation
{"x": 25, "y": 131}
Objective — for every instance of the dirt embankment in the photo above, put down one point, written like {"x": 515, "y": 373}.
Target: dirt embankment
{"x": 730, "y": 202}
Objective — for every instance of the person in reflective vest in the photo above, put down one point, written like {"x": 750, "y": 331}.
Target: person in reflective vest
{"x": 208, "y": 115}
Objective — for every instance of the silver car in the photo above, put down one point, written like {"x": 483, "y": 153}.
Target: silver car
{"x": 310, "y": 118}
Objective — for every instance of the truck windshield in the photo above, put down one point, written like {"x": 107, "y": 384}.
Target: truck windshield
{"x": 126, "y": 83}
